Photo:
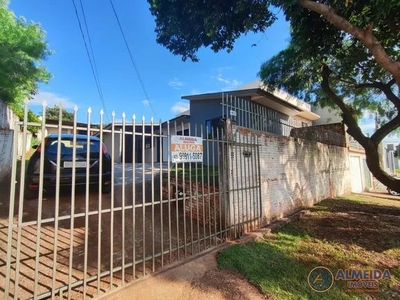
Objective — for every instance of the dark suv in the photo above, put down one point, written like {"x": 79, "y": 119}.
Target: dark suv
{"x": 95, "y": 148}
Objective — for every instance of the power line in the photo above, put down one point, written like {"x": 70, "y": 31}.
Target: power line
{"x": 132, "y": 60}
{"x": 92, "y": 63}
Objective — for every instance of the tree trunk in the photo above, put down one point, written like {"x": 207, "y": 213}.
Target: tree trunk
{"x": 373, "y": 163}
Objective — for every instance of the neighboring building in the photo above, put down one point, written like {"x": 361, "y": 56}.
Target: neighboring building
{"x": 389, "y": 158}
{"x": 156, "y": 146}
{"x": 361, "y": 178}
{"x": 180, "y": 125}
{"x": 328, "y": 115}
{"x": 143, "y": 140}
{"x": 68, "y": 127}
{"x": 251, "y": 106}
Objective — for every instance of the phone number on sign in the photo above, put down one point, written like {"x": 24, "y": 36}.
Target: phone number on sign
{"x": 189, "y": 156}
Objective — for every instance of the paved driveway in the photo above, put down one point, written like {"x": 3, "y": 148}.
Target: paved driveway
{"x": 139, "y": 170}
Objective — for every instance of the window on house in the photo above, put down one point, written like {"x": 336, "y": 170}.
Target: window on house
{"x": 212, "y": 126}
{"x": 185, "y": 132}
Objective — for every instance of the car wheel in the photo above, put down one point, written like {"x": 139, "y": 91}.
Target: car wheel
{"x": 106, "y": 189}
{"x": 30, "y": 194}
{"x": 394, "y": 193}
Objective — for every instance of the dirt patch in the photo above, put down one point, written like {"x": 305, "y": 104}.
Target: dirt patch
{"x": 224, "y": 284}
{"x": 372, "y": 227}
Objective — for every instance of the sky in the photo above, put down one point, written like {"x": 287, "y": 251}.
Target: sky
{"x": 165, "y": 77}
{"x": 155, "y": 88}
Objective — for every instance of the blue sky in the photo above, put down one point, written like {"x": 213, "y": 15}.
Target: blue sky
{"x": 165, "y": 76}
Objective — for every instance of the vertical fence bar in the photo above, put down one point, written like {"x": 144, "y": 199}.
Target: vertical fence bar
{"x": 85, "y": 266}
{"x": 112, "y": 202}
{"x": 152, "y": 194}
{"x": 247, "y": 180}
{"x": 223, "y": 206}
{"x": 253, "y": 181}
{"x": 72, "y": 221}
{"x": 259, "y": 179}
{"x": 143, "y": 197}
{"x": 231, "y": 175}
{"x": 134, "y": 197}
{"x": 10, "y": 224}
{"x": 219, "y": 186}
{"x": 21, "y": 203}
{"x": 161, "y": 193}
{"x": 57, "y": 204}
{"x": 202, "y": 185}
{"x": 243, "y": 183}
{"x": 208, "y": 183}
{"x": 243, "y": 112}
{"x": 123, "y": 152}
{"x": 177, "y": 203}
{"x": 237, "y": 198}
{"x": 184, "y": 203}
{"x": 100, "y": 199}
{"x": 190, "y": 199}
{"x": 223, "y": 106}
{"x": 221, "y": 167}
{"x": 197, "y": 198}
{"x": 249, "y": 116}
{"x": 230, "y": 107}
{"x": 169, "y": 191}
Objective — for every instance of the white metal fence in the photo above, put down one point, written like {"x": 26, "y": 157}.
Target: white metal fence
{"x": 75, "y": 240}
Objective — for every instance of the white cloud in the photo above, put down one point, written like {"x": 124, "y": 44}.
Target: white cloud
{"x": 228, "y": 83}
{"x": 176, "y": 83}
{"x": 146, "y": 102}
{"x": 194, "y": 92}
{"x": 51, "y": 99}
{"x": 180, "y": 107}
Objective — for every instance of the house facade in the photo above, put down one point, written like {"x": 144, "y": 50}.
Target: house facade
{"x": 141, "y": 142}
{"x": 252, "y": 106}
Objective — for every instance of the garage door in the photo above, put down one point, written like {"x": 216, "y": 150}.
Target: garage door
{"x": 355, "y": 171}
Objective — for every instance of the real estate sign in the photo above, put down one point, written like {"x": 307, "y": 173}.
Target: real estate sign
{"x": 186, "y": 149}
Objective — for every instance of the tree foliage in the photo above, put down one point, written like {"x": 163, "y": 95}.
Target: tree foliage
{"x": 22, "y": 49}
{"x": 342, "y": 53}
{"x": 53, "y": 113}
{"x": 185, "y": 26}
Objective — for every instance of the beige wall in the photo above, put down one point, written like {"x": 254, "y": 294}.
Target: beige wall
{"x": 293, "y": 173}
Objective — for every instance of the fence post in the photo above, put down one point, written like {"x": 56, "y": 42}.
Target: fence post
{"x": 224, "y": 174}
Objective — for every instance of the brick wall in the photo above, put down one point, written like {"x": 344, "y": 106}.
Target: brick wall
{"x": 294, "y": 173}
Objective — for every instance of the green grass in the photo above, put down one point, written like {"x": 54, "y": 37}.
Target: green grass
{"x": 352, "y": 232}
{"x": 365, "y": 200}
{"x": 190, "y": 171}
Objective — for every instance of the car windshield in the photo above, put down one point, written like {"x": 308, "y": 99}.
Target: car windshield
{"x": 67, "y": 146}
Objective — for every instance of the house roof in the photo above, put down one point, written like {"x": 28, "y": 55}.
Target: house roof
{"x": 178, "y": 119}
{"x": 258, "y": 92}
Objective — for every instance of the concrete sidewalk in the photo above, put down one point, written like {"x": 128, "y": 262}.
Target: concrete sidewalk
{"x": 195, "y": 279}
{"x": 381, "y": 194}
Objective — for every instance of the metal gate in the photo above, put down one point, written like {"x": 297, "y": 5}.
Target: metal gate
{"x": 76, "y": 241}
{"x": 244, "y": 188}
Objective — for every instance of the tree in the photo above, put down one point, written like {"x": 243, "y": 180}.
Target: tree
{"x": 22, "y": 49}
{"x": 53, "y": 113}
{"x": 342, "y": 53}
